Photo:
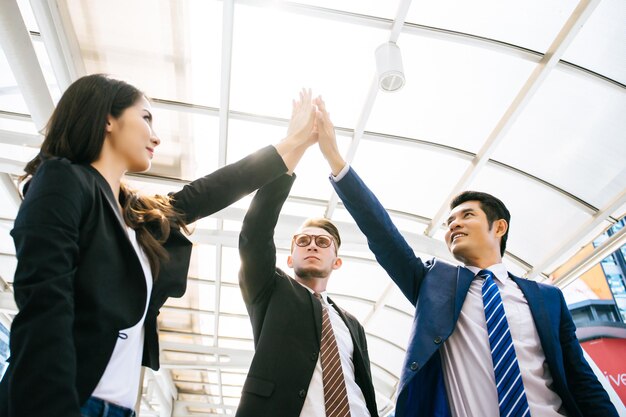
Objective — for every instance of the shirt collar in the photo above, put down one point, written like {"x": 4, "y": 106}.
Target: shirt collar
{"x": 499, "y": 271}
{"x": 323, "y": 293}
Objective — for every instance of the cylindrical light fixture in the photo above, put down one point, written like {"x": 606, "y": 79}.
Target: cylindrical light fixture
{"x": 389, "y": 67}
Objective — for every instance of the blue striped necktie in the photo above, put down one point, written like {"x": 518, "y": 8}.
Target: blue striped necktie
{"x": 511, "y": 396}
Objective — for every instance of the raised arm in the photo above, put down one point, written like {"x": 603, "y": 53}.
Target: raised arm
{"x": 42, "y": 371}
{"x": 256, "y": 240}
{"x": 392, "y": 251}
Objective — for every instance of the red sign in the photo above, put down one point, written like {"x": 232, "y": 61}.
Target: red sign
{"x": 608, "y": 354}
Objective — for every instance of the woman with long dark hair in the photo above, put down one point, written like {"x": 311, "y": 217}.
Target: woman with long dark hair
{"x": 96, "y": 260}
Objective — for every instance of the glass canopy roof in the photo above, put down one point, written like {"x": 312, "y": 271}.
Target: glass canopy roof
{"x": 523, "y": 100}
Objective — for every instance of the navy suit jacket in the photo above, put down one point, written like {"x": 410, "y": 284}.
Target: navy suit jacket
{"x": 437, "y": 290}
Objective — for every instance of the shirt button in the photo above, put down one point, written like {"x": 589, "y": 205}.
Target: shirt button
{"x": 438, "y": 339}
{"x": 302, "y": 393}
{"x": 314, "y": 356}
{"x": 414, "y": 366}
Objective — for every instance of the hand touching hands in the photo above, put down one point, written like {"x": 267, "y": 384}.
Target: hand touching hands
{"x": 327, "y": 139}
{"x": 302, "y": 130}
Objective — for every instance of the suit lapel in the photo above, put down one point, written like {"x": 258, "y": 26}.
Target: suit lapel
{"x": 463, "y": 280}
{"x": 317, "y": 314}
{"x": 339, "y": 311}
{"x": 537, "y": 307}
{"x": 105, "y": 189}
{"x": 351, "y": 328}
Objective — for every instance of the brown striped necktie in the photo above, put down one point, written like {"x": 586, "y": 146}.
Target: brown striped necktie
{"x": 335, "y": 394}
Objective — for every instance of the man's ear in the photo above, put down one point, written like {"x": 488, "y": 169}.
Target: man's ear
{"x": 501, "y": 227}
{"x": 290, "y": 261}
{"x": 337, "y": 264}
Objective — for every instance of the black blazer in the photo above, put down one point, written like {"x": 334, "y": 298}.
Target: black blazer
{"x": 286, "y": 320}
{"x": 79, "y": 281}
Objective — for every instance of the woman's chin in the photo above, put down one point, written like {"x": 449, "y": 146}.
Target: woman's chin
{"x": 140, "y": 167}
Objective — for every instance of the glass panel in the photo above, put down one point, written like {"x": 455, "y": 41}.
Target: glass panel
{"x": 10, "y": 96}
{"x": 532, "y": 24}
{"x": 572, "y": 135}
{"x": 408, "y": 178}
{"x": 172, "y": 52}
{"x": 378, "y": 8}
{"x": 235, "y": 327}
{"x": 357, "y": 308}
{"x": 231, "y": 301}
{"x": 189, "y": 144}
{"x": 391, "y": 325}
{"x": 230, "y": 265}
{"x": 312, "y": 172}
{"x": 385, "y": 355}
{"x": 270, "y": 65}
{"x": 540, "y": 218}
{"x": 359, "y": 279}
{"x": 454, "y": 95}
{"x": 599, "y": 46}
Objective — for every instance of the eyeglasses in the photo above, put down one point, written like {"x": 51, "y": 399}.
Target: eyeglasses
{"x": 322, "y": 241}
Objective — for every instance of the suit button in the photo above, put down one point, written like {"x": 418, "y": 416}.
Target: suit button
{"x": 414, "y": 366}
{"x": 302, "y": 393}
{"x": 437, "y": 340}
{"x": 314, "y": 356}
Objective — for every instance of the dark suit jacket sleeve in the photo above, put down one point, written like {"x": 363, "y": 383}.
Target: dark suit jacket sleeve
{"x": 392, "y": 251}
{"x": 228, "y": 184}
{"x": 590, "y": 396}
{"x": 256, "y": 240}
{"x": 46, "y": 234}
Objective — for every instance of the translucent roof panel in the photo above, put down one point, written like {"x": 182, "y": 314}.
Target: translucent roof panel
{"x": 540, "y": 217}
{"x": 600, "y": 44}
{"x": 270, "y": 64}
{"x": 414, "y": 168}
{"x": 530, "y": 24}
{"x": 189, "y": 144}
{"x": 10, "y": 96}
{"x": 572, "y": 135}
{"x": 559, "y": 166}
{"x": 156, "y": 52}
{"x": 386, "y": 9}
{"x": 312, "y": 172}
{"x": 454, "y": 95}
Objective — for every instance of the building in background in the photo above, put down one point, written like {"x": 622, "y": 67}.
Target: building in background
{"x": 597, "y": 301}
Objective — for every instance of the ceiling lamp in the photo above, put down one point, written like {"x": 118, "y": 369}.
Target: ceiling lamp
{"x": 389, "y": 67}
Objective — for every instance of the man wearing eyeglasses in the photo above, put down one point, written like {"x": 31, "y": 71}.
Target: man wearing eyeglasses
{"x": 310, "y": 355}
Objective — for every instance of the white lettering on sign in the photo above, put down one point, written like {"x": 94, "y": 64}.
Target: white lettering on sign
{"x": 617, "y": 380}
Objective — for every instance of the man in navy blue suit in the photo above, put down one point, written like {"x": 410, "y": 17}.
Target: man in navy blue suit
{"x": 484, "y": 343}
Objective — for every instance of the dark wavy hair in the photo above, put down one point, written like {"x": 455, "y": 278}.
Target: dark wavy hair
{"x": 76, "y": 131}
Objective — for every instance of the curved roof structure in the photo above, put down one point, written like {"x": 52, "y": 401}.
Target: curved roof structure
{"x": 525, "y": 101}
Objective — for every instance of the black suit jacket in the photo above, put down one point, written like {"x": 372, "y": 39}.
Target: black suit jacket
{"x": 79, "y": 281}
{"x": 286, "y": 319}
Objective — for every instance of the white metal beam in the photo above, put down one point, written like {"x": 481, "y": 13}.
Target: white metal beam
{"x": 7, "y": 303}
{"x": 20, "y": 53}
{"x": 556, "y": 50}
{"x": 366, "y": 110}
{"x": 60, "y": 41}
{"x": 599, "y": 253}
{"x": 575, "y": 240}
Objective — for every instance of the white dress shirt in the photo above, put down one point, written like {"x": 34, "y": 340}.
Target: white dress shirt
{"x": 314, "y": 401}
{"x": 466, "y": 355}
{"x": 120, "y": 382}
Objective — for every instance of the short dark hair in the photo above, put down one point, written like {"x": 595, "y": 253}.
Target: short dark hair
{"x": 493, "y": 207}
{"x": 324, "y": 223}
